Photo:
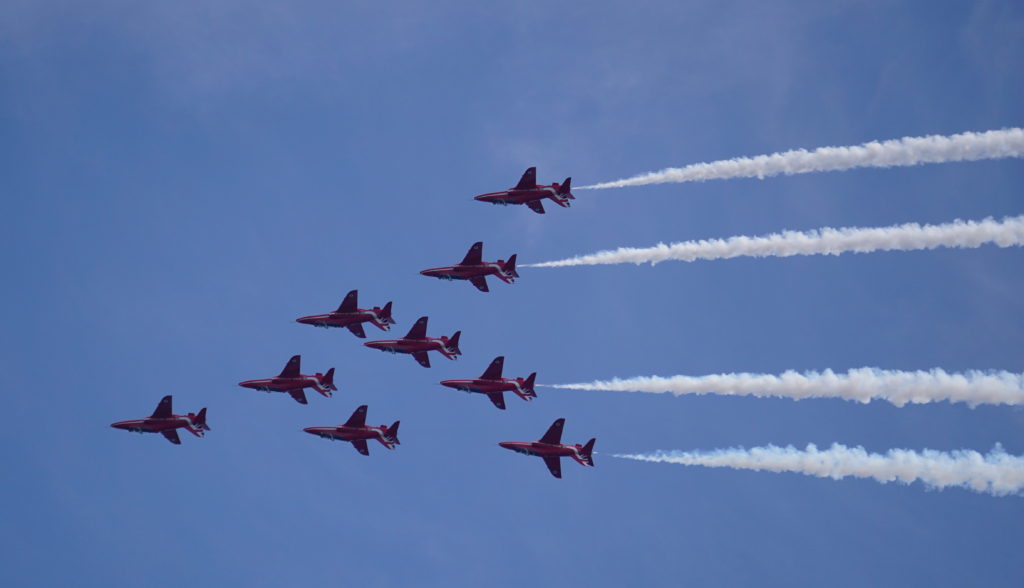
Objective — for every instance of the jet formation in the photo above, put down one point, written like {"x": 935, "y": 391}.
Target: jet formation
{"x": 416, "y": 343}
{"x": 475, "y": 269}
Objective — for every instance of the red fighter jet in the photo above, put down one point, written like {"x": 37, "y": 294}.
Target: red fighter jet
{"x": 494, "y": 386}
{"x": 292, "y": 382}
{"x": 529, "y": 193}
{"x": 417, "y": 344}
{"x": 166, "y": 423}
{"x": 356, "y": 432}
{"x": 551, "y": 449}
{"x": 476, "y": 270}
{"x": 351, "y": 317}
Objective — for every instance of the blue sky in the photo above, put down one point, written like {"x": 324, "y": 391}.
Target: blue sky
{"x": 183, "y": 180}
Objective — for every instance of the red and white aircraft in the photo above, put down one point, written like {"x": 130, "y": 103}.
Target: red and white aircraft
{"x": 292, "y": 382}
{"x": 417, "y": 344}
{"x": 494, "y": 386}
{"x": 475, "y": 269}
{"x": 529, "y": 193}
{"x": 165, "y": 422}
{"x": 351, "y": 317}
{"x": 551, "y": 449}
{"x": 356, "y": 432}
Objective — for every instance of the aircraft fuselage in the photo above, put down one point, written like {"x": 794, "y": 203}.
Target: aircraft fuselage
{"x": 286, "y": 384}
{"x": 156, "y": 425}
{"x": 344, "y": 433}
{"x": 545, "y": 449}
{"x": 513, "y": 196}
{"x": 344, "y": 319}
{"x": 412, "y": 346}
{"x": 466, "y": 272}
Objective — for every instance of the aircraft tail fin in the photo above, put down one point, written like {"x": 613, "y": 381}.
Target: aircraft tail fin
{"x": 391, "y": 433}
{"x": 385, "y": 313}
{"x": 201, "y": 420}
{"x": 563, "y": 190}
{"x": 528, "y": 385}
{"x": 453, "y": 344}
{"x": 587, "y": 452}
{"x": 328, "y": 380}
{"x": 509, "y": 268}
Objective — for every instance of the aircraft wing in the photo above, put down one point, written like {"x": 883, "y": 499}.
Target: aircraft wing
{"x": 360, "y": 445}
{"x": 163, "y": 410}
{"x": 357, "y": 330}
{"x": 493, "y": 371}
{"x": 298, "y": 395}
{"x": 528, "y": 181}
{"x": 358, "y": 418}
{"x": 535, "y": 206}
{"x": 419, "y": 330}
{"x": 554, "y": 434}
{"x": 171, "y": 435}
{"x": 480, "y": 282}
{"x": 497, "y": 399}
{"x": 422, "y": 358}
{"x": 555, "y": 465}
{"x": 475, "y": 254}
{"x": 350, "y": 302}
{"x": 291, "y": 369}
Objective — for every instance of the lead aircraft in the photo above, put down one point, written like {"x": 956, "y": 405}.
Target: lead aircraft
{"x": 494, "y": 386}
{"x": 357, "y": 433}
{"x": 350, "y": 316}
{"x": 417, "y": 344}
{"x": 550, "y": 448}
{"x": 475, "y": 269}
{"x": 294, "y": 383}
{"x": 529, "y": 193}
{"x": 165, "y": 422}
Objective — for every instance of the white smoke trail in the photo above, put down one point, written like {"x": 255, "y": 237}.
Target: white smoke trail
{"x": 826, "y": 241}
{"x": 861, "y": 385}
{"x": 893, "y": 153}
{"x": 997, "y": 473}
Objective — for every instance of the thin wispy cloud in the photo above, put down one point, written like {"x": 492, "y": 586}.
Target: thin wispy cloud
{"x": 961, "y": 234}
{"x": 996, "y": 473}
{"x": 859, "y": 385}
{"x": 892, "y": 153}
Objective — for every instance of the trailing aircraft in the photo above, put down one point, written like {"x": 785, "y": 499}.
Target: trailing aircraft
{"x": 356, "y": 432}
{"x": 351, "y": 317}
{"x": 417, "y": 344}
{"x": 475, "y": 269}
{"x": 550, "y": 448}
{"x": 165, "y": 422}
{"x": 292, "y": 382}
{"x": 494, "y": 386}
{"x": 529, "y": 193}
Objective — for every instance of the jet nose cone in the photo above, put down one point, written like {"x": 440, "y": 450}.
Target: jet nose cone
{"x": 506, "y": 444}
{"x": 304, "y": 320}
{"x": 481, "y": 198}
{"x": 309, "y": 430}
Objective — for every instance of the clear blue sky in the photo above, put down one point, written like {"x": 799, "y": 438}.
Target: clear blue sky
{"x": 182, "y": 180}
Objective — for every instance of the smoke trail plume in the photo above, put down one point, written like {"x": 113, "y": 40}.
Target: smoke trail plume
{"x": 860, "y": 385}
{"x": 893, "y": 153}
{"x": 997, "y": 473}
{"x": 826, "y": 241}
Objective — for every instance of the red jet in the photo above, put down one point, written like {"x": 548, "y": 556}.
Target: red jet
{"x": 356, "y": 432}
{"x": 166, "y": 423}
{"x": 351, "y": 317}
{"x": 551, "y": 449}
{"x": 529, "y": 193}
{"x": 292, "y": 382}
{"x": 494, "y": 386}
{"x": 476, "y": 270}
{"x": 417, "y": 344}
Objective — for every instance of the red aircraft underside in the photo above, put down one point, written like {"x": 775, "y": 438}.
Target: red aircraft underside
{"x": 350, "y": 316}
{"x": 417, "y": 344}
{"x": 474, "y": 269}
{"x": 494, "y": 386}
{"x": 294, "y": 383}
{"x": 551, "y": 449}
{"x": 358, "y": 433}
{"x": 529, "y": 193}
{"x": 165, "y": 422}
